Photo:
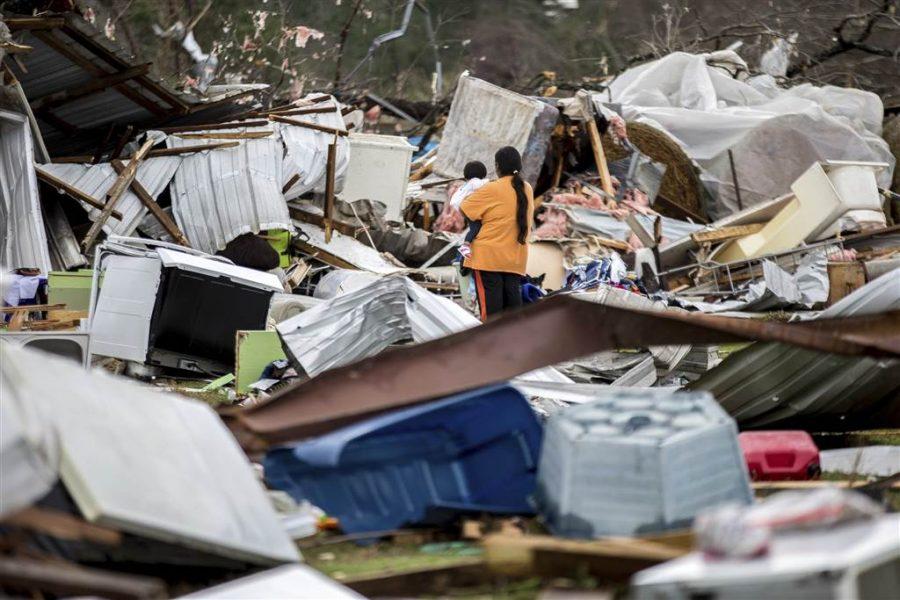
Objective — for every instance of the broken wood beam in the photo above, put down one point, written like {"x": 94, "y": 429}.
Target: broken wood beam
{"x": 587, "y": 109}
{"x": 62, "y": 525}
{"x": 726, "y": 233}
{"x": 155, "y": 209}
{"x": 31, "y": 308}
{"x": 33, "y": 23}
{"x": 290, "y": 183}
{"x": 94, "y": 86}
{"x": 329, "y": 189}
{"x": 74, "y": 192}
{"x": 84, "y": 158}
{"x": 227, "y": 135}
{"x": 69, "y": 579}
{"x": 295, "y": 111}
{"x": 308, "y": 125}
{"x": 122, "y": 182}
{"x": 213, "y": 126}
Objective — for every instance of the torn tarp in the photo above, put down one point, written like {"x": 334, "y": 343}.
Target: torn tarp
{"x": 507, "y": 347}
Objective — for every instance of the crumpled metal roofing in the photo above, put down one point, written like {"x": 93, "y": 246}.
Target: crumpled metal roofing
{"x": 306, "y": 151}
{"x": 588, "y": 220}
{"x": 95, "y": 180}
{"x": 772, "y": 384}
{"x": 508, "y": 346}
{"x": 50, "y": 70}
{"x": 24, "y": 241}
{"x": 220, "y": 194}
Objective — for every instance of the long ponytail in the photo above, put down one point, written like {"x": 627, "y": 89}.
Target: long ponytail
{"x": 509, "y": 162}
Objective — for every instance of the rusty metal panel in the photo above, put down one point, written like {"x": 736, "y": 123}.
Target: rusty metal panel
{"x": 558, "y": 329}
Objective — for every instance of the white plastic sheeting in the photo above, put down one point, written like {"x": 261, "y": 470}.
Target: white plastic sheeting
{"x": 23, "y": 242}
{"x": 220, "y": 194}
{"x": 154, "y": 174}
{"x": 775, "y": 134}
{"x": 306, "y": 151}
{"x": 145, "y": 462}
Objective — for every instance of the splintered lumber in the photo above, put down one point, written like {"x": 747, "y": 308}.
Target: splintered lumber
{"x": 329, "y": 189}
{"x": 31, "y": 308}
{"x": 231, "y": 135}
{"x": 213, "y": 126}
{"x": 155, "y": 209}
{"x": 614, "y": 559}
{"x": 122, "y": 182}
{"x": 62, "y": 525}
{"x": 308, "y": 125}
{"x": 596, "y": 144}
{"x": 74, "y": 192}
{"x": 191, "y": 149}
{"x": 290, "y": 183}
{"x": 726, "y": 233}
{"x": 64, "y": 579}
{"x": 292, "y": 112}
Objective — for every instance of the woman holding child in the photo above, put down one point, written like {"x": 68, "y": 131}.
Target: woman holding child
{"x": 499, "y": 251}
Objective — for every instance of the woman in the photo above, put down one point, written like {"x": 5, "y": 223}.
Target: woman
{"x": 499, "y": 253}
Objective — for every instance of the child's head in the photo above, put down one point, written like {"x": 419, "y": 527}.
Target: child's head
{"x": 474, "y": 169}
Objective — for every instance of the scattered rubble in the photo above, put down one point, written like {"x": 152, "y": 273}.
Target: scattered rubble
{"x": 711, "y": 254}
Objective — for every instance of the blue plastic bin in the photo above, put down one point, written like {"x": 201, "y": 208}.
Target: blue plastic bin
{"x": 475, "y": 452}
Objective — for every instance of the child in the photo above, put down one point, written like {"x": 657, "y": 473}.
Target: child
{"x": 474, "y": 173}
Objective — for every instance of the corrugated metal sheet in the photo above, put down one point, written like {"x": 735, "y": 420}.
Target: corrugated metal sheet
{"x": 218, "y": 195}
{"x": 772, "y": 384}
{"x": 48, "y": 71}
{"x": 307, "y": 151}
{"x": 24, "y": 242}
{"x": 483, "y": 118}
{"x": 95, "y": 180}
{"x": 594, "y": 221}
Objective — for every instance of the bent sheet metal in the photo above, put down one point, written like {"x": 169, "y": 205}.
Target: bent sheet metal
{"x": 547, "y": 333}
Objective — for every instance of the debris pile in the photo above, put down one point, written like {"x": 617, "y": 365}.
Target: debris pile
{"x": 712, "y": 309}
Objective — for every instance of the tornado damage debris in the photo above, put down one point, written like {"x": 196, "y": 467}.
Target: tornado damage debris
{"x": 627, "y": 328}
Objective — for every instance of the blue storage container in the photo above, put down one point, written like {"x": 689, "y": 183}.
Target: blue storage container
{"x": 472, "y": 452}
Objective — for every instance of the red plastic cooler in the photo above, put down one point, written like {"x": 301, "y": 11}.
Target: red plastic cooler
{"x": 780, "y": 455}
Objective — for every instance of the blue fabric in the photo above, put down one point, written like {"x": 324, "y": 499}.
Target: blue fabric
{"x": 531, "y": 293}
{"x": 472, "y": 452}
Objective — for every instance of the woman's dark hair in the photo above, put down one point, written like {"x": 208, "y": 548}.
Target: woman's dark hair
{"x": 509, "y": 162}
{"x": 474, "y": 169}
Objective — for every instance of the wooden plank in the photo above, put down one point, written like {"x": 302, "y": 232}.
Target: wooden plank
{"x": 68, "y": 579}
{"x": 155, "y": 209}
{"x": 295, "y": 111}
{"x": 113, "y": 60}
{"x": 32, "y": 308}
{"x": 587, "y": 110}
{"x": 330, "y": 166}
{"x": 56, "y": 44}
{"x": 844, "y": 278}
{"x": 290, "y": 183}
{"x": 726, "y": 233}
{"x": 94, "y": 86}
{"x": 323, "y": 256}
{"x": 234, "y": 135}
{"x": 191, "y": 149}
{"x": 213, "y": 126}
{"x": 308, "y": 125}
{"x": 122, "y": 182}
{"x": 612, "y": 558}
{"x": 51, "y": 325}
{"x": 33, "y": 23}
{"x": 62, "y": 525}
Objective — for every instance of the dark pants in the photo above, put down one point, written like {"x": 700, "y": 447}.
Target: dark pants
{"x": 497, "y": 291}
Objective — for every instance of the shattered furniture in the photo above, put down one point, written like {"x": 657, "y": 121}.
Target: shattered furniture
{"x": 378, "y": 170}
{"x": 475, "y": 452}
{"x": 171, "y": 308}
{"x": 638, "y": 462}
{"x": 859, "y": 560}
{"x": 483, "y": 118}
